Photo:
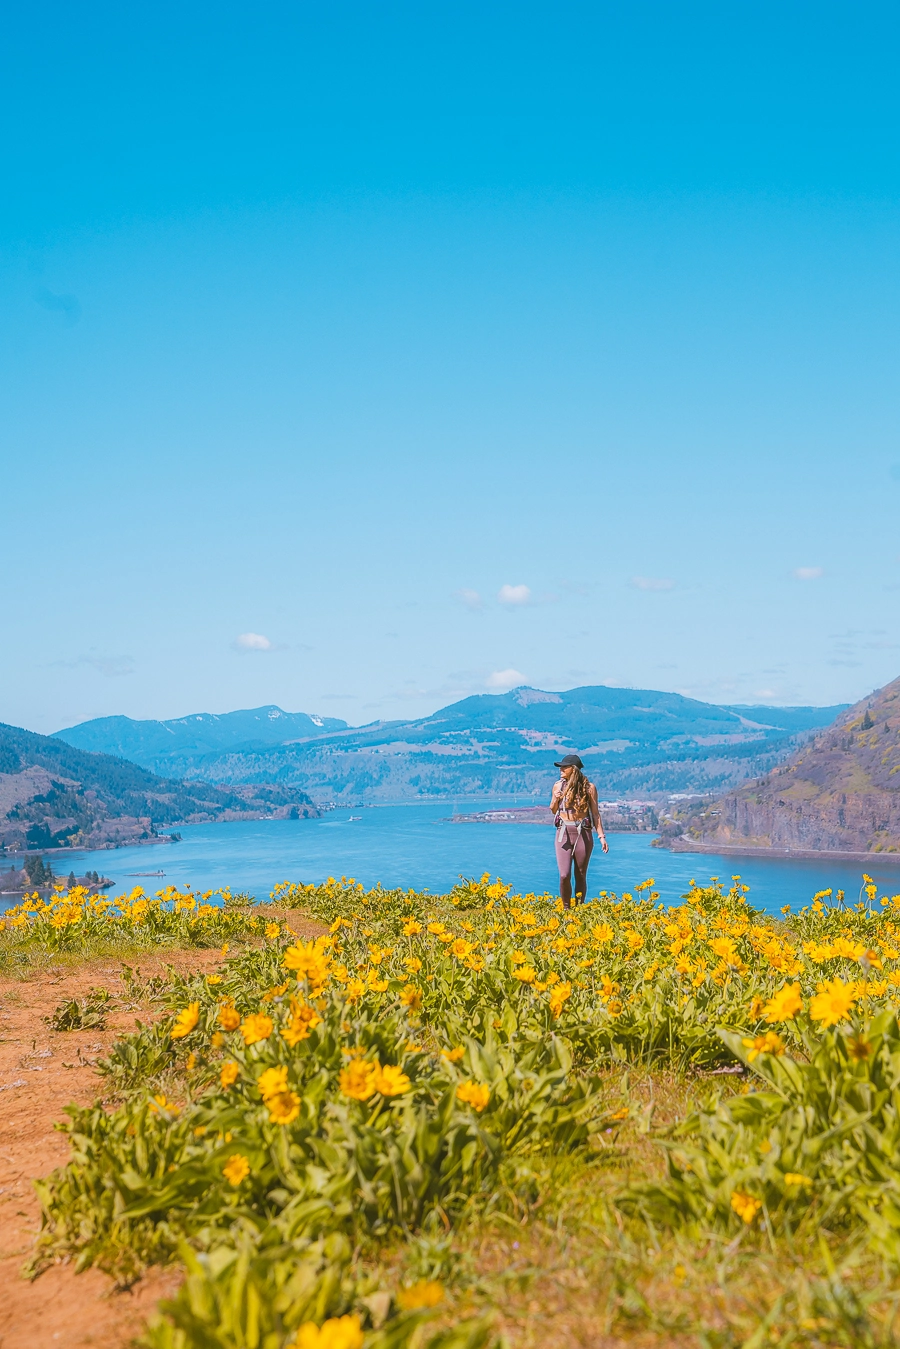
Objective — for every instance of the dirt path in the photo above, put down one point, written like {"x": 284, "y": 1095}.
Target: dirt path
{"x": 42, "y": 1071}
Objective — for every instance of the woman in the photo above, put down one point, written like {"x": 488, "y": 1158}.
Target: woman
{"x": 574, "y": 805}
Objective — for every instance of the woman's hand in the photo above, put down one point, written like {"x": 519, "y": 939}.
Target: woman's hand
{"x": 603, "y": 843}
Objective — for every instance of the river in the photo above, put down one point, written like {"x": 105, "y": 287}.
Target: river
{"x": 417, "y": 846}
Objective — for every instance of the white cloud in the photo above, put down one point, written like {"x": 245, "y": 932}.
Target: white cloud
{"x": 501, "y": 681}
{"x": 652, "y": 583}
{"x": 253, "y": 641}
{"x": 514, "y": 594}
{"x": 764, "y": 693}
{"x": 470, "y": 598}
{"x": 808, "y": 573}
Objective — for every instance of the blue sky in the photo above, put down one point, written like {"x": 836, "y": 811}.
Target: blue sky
{"x": 356, "y": 358}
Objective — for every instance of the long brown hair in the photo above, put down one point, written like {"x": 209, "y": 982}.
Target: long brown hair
{"x": 576, "y": 797}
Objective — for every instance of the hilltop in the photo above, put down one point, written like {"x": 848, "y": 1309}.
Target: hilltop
{"x": 162, "y": 746}
{"x": 53, "y": 795}
{"x": 633, "y": 741}
{"x": 839, "y": 793}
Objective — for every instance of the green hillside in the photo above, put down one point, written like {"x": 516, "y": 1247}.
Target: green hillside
{"x": 53, "y": 795}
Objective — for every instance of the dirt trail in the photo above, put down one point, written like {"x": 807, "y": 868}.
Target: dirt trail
{"x": 42, "y": 1071}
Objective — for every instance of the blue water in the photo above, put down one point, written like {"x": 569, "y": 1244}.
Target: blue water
{"x": 417, "y": 846}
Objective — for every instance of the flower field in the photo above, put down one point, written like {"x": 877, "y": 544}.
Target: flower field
{"x": 322, "y": 1132}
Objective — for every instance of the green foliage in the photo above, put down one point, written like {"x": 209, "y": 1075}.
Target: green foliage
{"x": 819, "y": 1145}
{"x": 87, "y": 1013}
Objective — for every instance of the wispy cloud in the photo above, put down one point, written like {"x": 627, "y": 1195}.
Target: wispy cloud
{"x": 113, "y": 667}
{"x": 501, "y": 681}
{"x": 470, "y": 598}
{"x": 808, "y": 573}
{"x": 652, "y": 583}
{"x": 514, "y": 594}
{"x": 253, "y": 641}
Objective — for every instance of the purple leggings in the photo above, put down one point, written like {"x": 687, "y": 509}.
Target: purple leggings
{"x": 575, "y": 846}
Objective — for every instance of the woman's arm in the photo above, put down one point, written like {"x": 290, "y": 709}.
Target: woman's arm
{"x": 598, "y": 823}
{"x": 554, "y": 796}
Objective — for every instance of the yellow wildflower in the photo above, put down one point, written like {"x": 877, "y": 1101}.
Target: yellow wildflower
{"x": 425, "y": 1293}
{"x": 785, "y": 1004}
{"x": 475, "y": 1094}
{"x": 272, "y": 930}
{"x": 303, "y": 1020}
{"x": 308, "y": 960}
{"x": 213, "y": 979}
{"x": 745, "y": 1206}
{"x": 413, "y": 964}
{"x": 236, "y": 1169}
{"x": 832, "y": 1003}
{"x": 602, "y": 934}
{"x": 525, "y": 974}
{"x": 454, "y": 1055}
{"x": 160, "y": 1102}
{"x": 411, "y": 928}
{"x": 460, "y": 947}
{"x": 391, "y": 1081}
{"x": 355, "y": 990}
{"x": 770, "y": 1043}
{"x": 229, "y": 1074}
{"x": 724, "y": 948}
{"x": 256, "y": 1027}
{"x": 284, "y": 1107}
{"x": 272, "y": 1082}
{"x": 229, "y": 1018}
{"x": 185, "y": 1021}
{"x": 411, "y": 997}
{"x": 560, "y": 994}
{"x": 795, "y": 1179}
{"x": 357, "y": 1080}
{"x": 340, "y": 1332}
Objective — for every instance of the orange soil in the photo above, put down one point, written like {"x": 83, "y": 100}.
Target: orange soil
{"x": 41, "y": 1071}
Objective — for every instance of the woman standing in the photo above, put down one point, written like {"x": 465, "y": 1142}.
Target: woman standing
{"x": 574, "y": 805}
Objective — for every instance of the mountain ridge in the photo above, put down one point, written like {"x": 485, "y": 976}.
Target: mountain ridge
{"x": 53, "y": 794}
{"x": 494, "y": 745}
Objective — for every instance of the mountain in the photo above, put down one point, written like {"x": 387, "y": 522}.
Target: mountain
{"x": 53, "y": 795}
{"x": 633, "y": 741}
{"x": 839, "y": 793}
{"x": 156, "y": 744}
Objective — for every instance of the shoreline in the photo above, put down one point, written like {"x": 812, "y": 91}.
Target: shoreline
{"x": 808, "y": 854}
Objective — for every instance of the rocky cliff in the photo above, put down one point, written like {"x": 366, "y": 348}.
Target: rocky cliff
{"x": 839, "y": 793}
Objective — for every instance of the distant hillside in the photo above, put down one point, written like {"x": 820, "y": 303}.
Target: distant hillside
{"x": 633, "y": 741}
{"x": 840, "y": 793}
{"x": 163, "y": 746}
{"x": 52, "y": 795}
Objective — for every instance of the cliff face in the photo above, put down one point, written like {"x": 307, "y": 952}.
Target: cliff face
{"x": 839, "y": 793}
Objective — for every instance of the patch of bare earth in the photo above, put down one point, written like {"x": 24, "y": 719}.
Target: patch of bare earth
{"x": 41, "y": 1072}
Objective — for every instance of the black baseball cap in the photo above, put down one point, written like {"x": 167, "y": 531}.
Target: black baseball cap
{"x": 569, "y": 761}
